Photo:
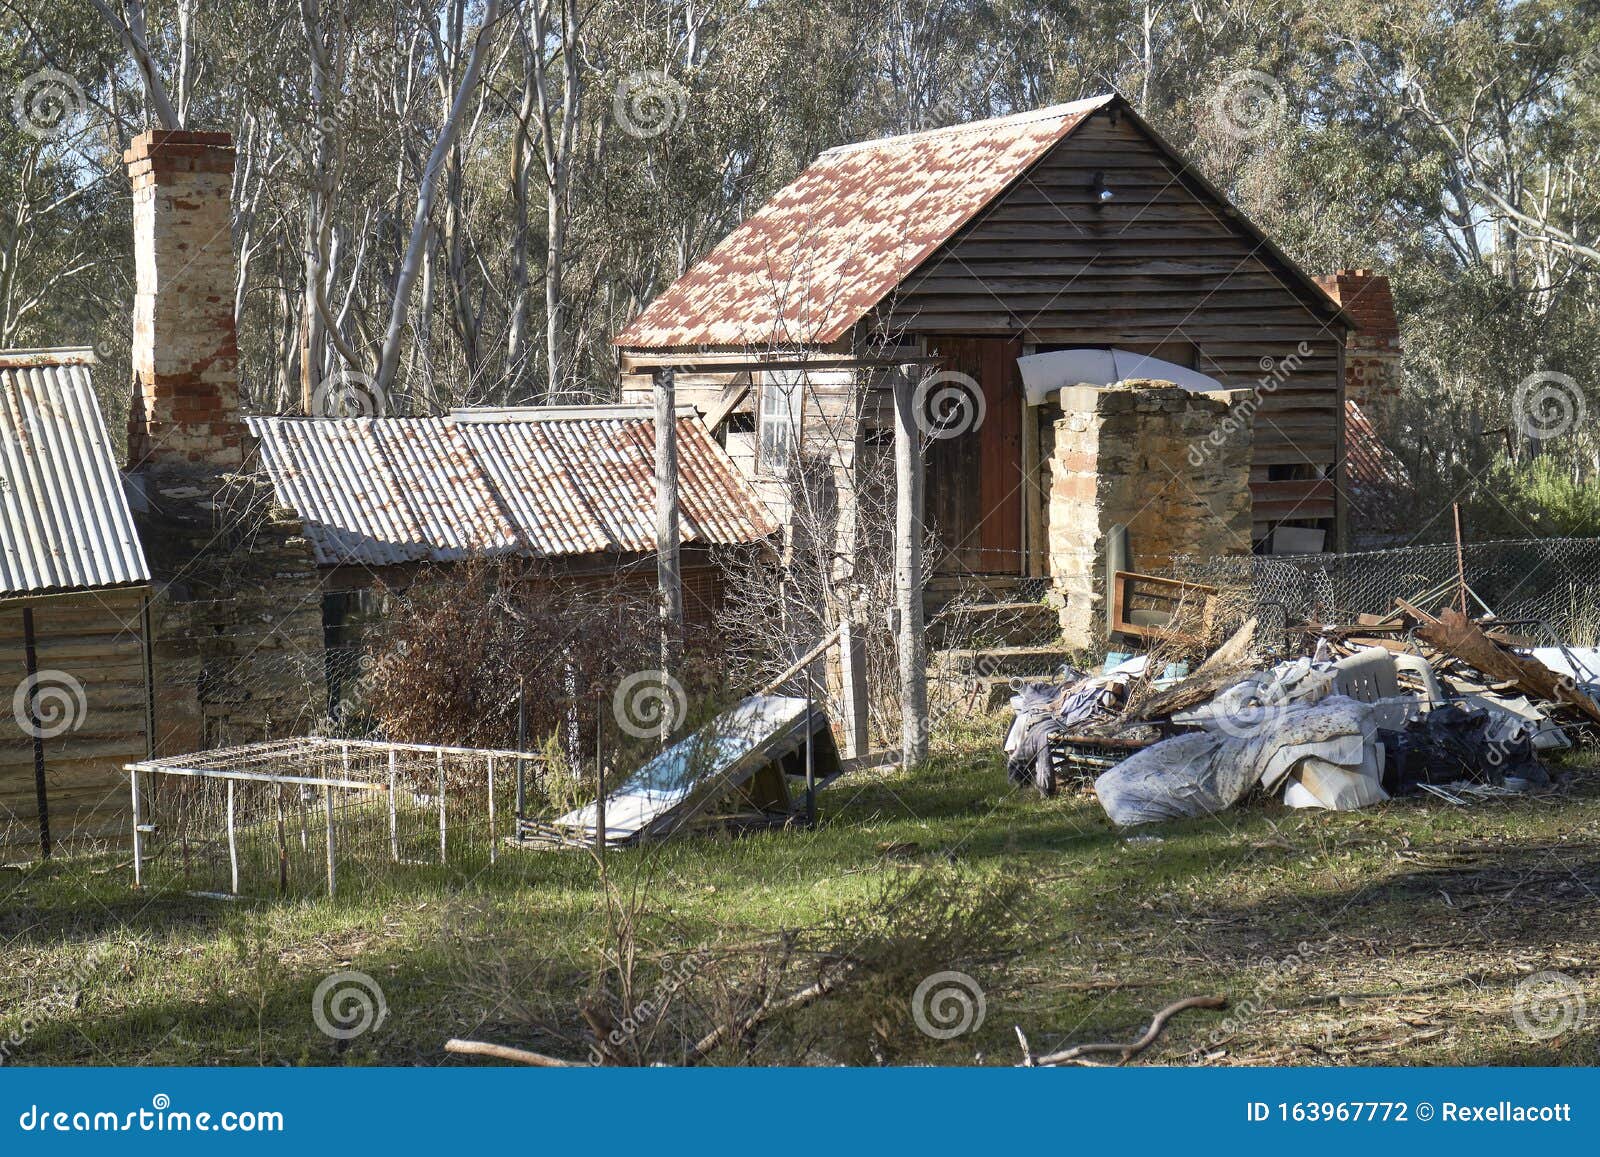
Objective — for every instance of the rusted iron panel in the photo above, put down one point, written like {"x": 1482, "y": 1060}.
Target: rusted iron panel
{"x": 385, "y": 491}
{"x": 64, "y": 517}
{"x": 834, "y": 242}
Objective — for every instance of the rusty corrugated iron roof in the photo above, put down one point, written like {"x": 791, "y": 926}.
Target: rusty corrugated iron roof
{"x": 834, "y": 242}
{"x": 1378, "y": 481}
{"x": 541, "y": 483}
{"x": 64, "y": 518}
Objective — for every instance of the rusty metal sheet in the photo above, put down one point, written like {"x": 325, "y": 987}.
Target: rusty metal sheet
{"x": 64, "y": 517}
{"x": 534, "y": 482}
{"x": 832, "y": 244}
{"x": 835, "y": 241}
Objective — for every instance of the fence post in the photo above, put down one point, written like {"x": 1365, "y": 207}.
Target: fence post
{"x": 394, "y": 813}
{"x": 439, "y": 759}
{"x": 138, "y": 836}
{"x": 233, "y": 844}
{"x": 492, "y": 837}
{"x": 327, "y": 796}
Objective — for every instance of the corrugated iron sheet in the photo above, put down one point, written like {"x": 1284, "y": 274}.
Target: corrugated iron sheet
{"x": 1369, "y": 464}
{"x": 384, "y": 491}
{"x": 833, "y": 243}
{"x": 64, "y": 518}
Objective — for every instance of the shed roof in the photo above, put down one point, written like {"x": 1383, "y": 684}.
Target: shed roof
{"x": 830, "y": 245}
{"x": 64, "y": 518}
{"x": 539, "y": 482}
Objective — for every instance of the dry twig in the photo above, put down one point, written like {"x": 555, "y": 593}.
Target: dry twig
{"x": 1124, "y": 1053}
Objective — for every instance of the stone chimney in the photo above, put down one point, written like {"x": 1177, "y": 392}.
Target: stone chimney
{"x": 184, "y": 413}
{"x": 1169, "y": 466}
{"x": 1372, "y": 352}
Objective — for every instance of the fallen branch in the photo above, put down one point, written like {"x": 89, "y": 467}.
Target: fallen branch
{"x": 480, "y": 1048}
{"x": 1461, "y": 638}
{"x": 1123, "y": 1052}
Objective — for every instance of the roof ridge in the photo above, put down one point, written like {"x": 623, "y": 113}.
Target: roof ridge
{"x": 1049, "y": 112}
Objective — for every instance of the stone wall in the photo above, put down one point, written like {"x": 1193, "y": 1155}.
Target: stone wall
{"x": 1372, "y": 352}
{"x": 1170, "y": 465}
{"x": 236, "y": 623}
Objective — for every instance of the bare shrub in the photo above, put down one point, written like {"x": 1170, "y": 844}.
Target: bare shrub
{"x": 448, "y": 661}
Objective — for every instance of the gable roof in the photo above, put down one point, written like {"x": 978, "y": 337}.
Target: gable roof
{"x": 64, "y": 518}
{"x": 832, "y": 244}
{"x": 538, "y": 482}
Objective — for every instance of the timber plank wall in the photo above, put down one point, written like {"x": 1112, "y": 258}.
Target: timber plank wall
{"x": 95, "y": 639}
{"x": 1164, "y": 262}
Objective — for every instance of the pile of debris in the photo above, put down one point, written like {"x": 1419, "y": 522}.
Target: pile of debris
{"x": 1403, "y": 704}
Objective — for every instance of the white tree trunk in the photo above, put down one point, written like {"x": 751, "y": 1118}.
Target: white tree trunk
{"x": 389, "y": 361}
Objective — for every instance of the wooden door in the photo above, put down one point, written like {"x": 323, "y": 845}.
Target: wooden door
{"x": 973, "y": 493}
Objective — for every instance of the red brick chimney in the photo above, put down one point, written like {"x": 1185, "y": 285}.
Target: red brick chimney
{"x": 185, "y": 408}
{"x": 1372, "y": 352}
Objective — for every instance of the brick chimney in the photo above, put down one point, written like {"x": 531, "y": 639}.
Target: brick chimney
{"x": 1372, "y": 351}
{"x": 185, "y": 408}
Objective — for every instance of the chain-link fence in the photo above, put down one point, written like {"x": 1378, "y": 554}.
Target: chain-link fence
{"x": 1554, "y": 581}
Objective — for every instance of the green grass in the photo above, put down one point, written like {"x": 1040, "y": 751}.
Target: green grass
{"x": 1397, "y": 935}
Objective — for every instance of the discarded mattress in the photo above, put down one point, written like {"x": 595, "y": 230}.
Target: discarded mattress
{"x": 1208, "y": 771}
{"x": 743, "y": 758}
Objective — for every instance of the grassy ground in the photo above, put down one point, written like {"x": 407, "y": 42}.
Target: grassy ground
{"x": 1398, "y": 935}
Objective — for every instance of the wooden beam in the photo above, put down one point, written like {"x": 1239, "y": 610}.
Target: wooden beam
{"x": 908, "y": 572}
{"x": 668, "y": 576}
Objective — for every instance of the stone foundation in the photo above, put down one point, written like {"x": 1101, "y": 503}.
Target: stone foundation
{"x": 1170, "y": 465}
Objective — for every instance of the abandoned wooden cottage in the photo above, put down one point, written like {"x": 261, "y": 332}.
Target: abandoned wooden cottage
{"x": 73, "y": 598}
{"x": 1073, "y": 230}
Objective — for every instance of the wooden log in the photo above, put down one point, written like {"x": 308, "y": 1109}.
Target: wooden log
{"x": 1461, "y": 638}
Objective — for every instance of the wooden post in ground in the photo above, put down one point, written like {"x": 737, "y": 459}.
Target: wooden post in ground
{"x": 492, "y": 836}
{"x": 853, "y": 688}
{"x": 908, "y": 571}
{"x": 394, "y": 808}
{"x": 233, "y": 843}
{"x": 668, "y": 576}
{"x": 327, "y": 799}
{"x": 439, "y": 761}
{"x": 41, "y": 794}
{"x": 138, "y": 836}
